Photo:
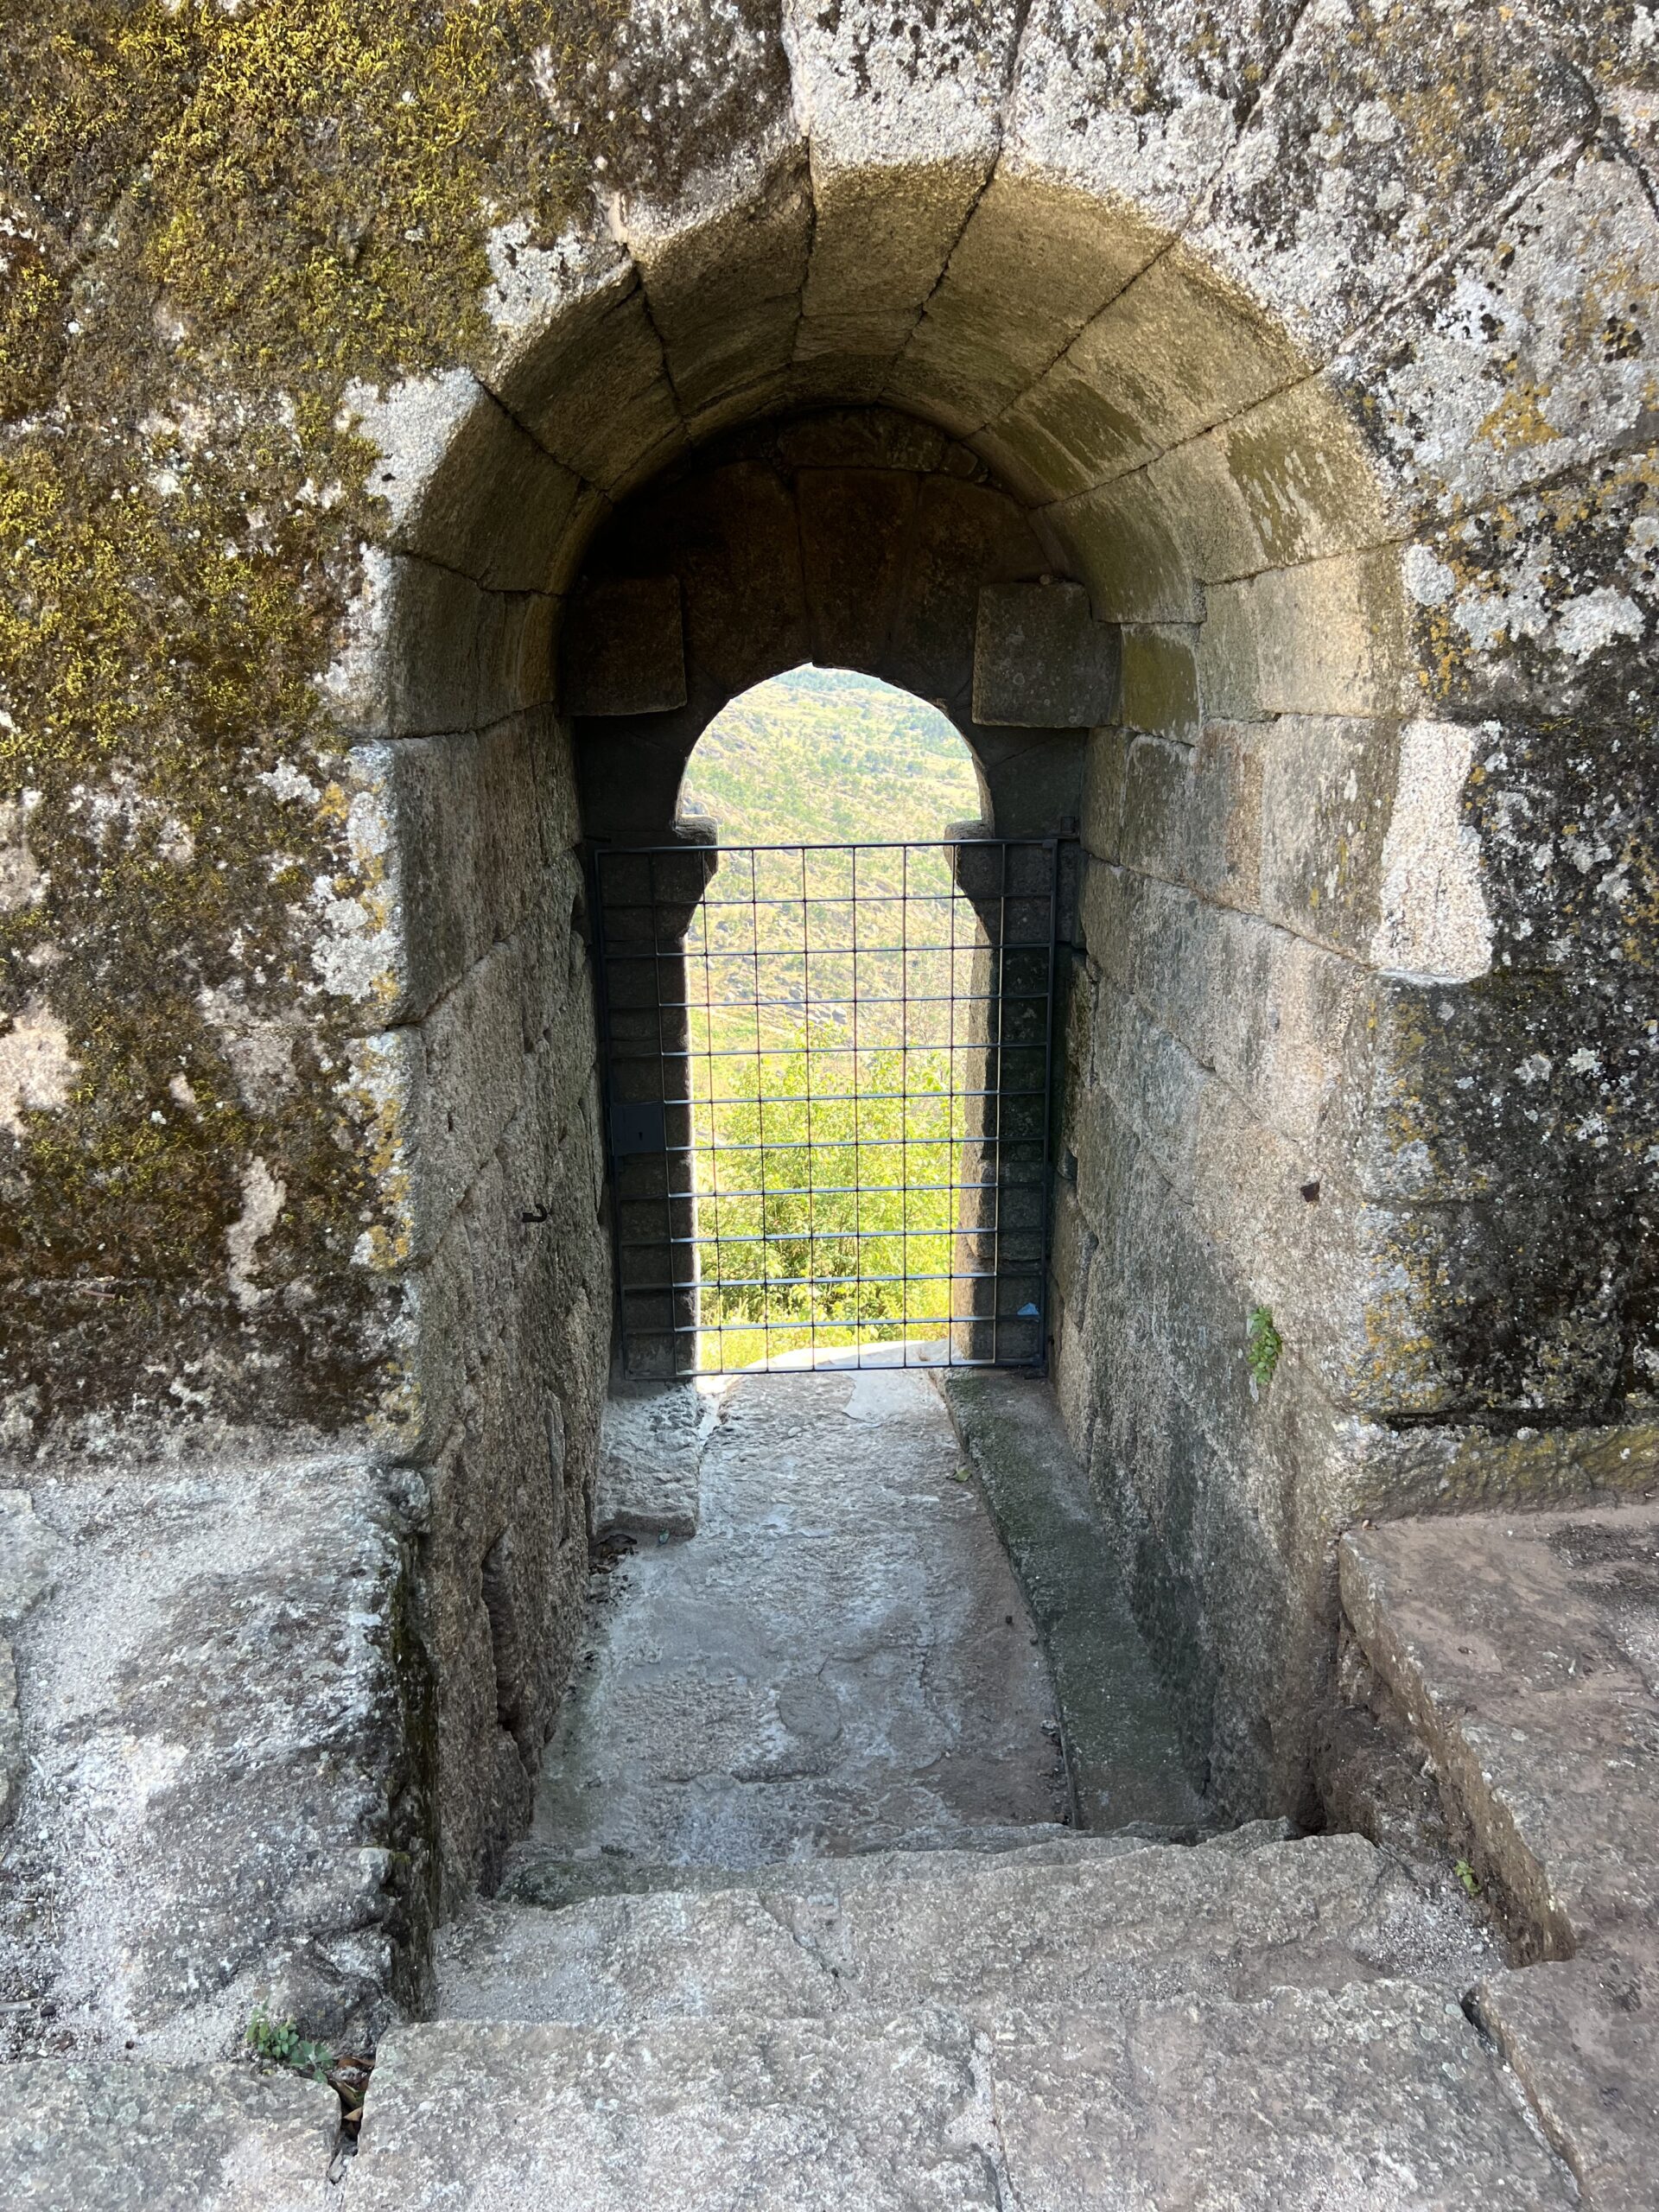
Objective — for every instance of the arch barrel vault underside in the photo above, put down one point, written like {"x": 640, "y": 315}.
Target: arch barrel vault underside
{"x": 1315, "y": 347}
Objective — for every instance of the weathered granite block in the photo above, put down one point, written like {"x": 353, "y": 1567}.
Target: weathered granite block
{"x": 1040, "y": 659}
{"x": 651, "y": 1447}
{"x": 135, "y": 2135}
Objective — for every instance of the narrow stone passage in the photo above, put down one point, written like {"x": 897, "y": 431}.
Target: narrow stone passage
{"x": 841, "y": 1660}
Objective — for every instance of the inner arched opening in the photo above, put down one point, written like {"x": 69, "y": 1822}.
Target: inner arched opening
{"x": 824, "y": 756}
{"x": 836, "y": 1036}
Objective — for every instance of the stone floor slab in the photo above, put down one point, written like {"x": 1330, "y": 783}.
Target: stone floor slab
{"x": 138, "y": 2136}
{"x": 1382, "y": 2099}
{"x": 840, "y": 1660}
{"x": 540, "y": 1878}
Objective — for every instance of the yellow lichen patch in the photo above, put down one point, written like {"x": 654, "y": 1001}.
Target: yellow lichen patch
{"x": 1518, "y": 419}
{"x": 322, "y": 194}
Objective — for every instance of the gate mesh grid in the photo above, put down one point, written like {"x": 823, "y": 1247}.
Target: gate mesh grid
{"x": 828, "y": 1081}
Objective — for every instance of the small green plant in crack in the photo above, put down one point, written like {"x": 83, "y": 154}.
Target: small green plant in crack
{"x": 279, "y": 2043}
{"x": 1263, "y": 1346}
{"x": 1467, "y": 1874}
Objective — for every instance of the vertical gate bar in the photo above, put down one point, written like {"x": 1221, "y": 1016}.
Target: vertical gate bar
{"x": 953, "y": 1153}
{"x": 653, "y": 923}
{"x": 811, "y": 1286}
{"x": 714, "y": 1111}
{"x": 602, "y": 1011}
{"x": 1045, "y": 1195}
{"x": 907, "y": 1242}
{"x": 765, "y": 1269}
{"x": 713, "y": 1120}
{"x": 1001, "y": 1003}
{"x": 858, "y": 1154}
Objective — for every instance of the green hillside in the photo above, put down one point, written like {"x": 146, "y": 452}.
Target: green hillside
{"x": 824, "y": 757}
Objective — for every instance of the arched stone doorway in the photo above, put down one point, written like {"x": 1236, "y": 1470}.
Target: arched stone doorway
{"x": 1361, "y": 1014}
{"x": 1284, "y": 880}
{"x": 859, "y": 537}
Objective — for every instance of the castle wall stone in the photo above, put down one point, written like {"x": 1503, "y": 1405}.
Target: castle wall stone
{"x": 1315, "y": 342}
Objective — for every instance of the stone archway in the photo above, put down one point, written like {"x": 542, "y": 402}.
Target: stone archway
{"x": 1285, "y": 876}
{"x": 1328, "y": 389}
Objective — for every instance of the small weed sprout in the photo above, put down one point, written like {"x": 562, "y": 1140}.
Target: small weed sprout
{"x": 1263, "y": 1346}
{"x": 1467, "y": 1874}
{"x": 279, "y": 2043}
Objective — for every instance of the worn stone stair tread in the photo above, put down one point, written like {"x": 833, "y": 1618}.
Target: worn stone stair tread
{"x": 141, "y": 2135}
{"x": 984, "y": 1935}
{"x": 1519, "y": 1646}
{"x": 1368, "y": 2099}
{"x": 1582, "y": 2036}
{"x": 537, "y": 1876}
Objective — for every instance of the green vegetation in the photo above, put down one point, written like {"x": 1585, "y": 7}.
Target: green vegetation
{"x": 823, "y": 756}
{"x": 279, "y": 2043}
{"x": 1263, "y": 1346}
{"x": 852, "y": 1242}
{"x": 839, "y": 1095}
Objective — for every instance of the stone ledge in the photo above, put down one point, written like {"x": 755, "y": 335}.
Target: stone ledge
{"x": 1118, "y": 1731}
{"x": 649, "y": 1460}
{"x": 137, "y": 2136}
{"x": 222, "y": 1702}
{"x": 1518, "y": 1647}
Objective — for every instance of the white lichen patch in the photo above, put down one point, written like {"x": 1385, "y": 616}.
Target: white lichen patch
{"x": 36, "y": 1066}
{"x": 289, "y": 782}
{"x": 259, "y": 1048}
{"x": 262, "y": 1194}
{"x": 354, "y": 683}
{"x": 534, "y": 284}
{"x": 1537, "y": 353}
{"x": 22, "y": 881}
{"x": 413, "y": 425}
{"x": 1596, "y": 618}
{"x": 1434, "y": 921}
{"x": 384, "y": 1070}
{"x": 1427, "y": 578}
{"x": 1526, "y": 603}
{"x": 357, "y": 950}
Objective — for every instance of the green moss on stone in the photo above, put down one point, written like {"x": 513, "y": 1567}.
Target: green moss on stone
{"x": 219, "y": 220}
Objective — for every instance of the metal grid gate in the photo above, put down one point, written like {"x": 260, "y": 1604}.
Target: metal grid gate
{"x": 828, "y": 1072}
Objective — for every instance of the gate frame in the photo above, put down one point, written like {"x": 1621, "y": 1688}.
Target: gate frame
{"x": 696, "y": 846}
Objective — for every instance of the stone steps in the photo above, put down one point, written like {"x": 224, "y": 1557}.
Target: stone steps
{"x": 1073, "y": 1925}
{"x": 1520, "y": 1648}
{"x": 1113, "y": 2022}
{"x": 1375, "y": 2098}
{"x": 534, "y": 1875}
{"x": 140, "y": 2135}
